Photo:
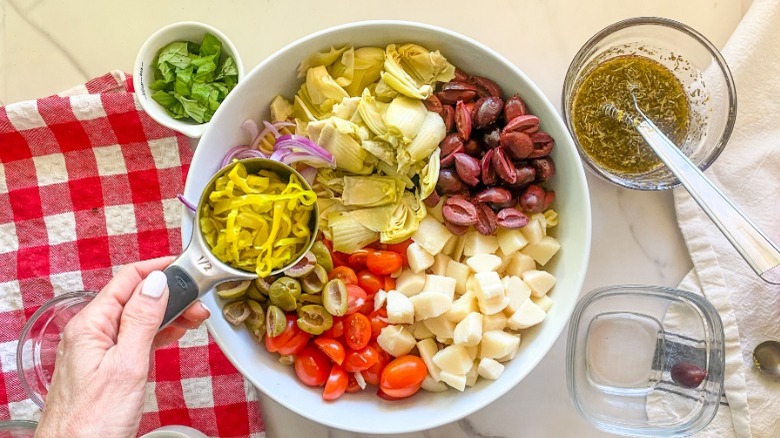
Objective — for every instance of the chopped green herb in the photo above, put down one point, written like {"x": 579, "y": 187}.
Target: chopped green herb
{"x": 191, "y": 80}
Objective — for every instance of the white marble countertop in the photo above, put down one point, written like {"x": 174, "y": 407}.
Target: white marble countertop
{"x": 48, "y": 46}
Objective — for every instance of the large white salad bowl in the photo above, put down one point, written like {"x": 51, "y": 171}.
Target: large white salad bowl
{"x": 364, "y": 412}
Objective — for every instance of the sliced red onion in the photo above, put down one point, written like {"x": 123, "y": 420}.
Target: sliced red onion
{"x": 231, "y": 154}
{"x": 309, "y": 174}
{"x": 269, "y": 128}
{"x": 186, "y": 203}
{"x": 288, "y": 156}
{"x": 299, "y": 143}
{"x": 251, "y": 128}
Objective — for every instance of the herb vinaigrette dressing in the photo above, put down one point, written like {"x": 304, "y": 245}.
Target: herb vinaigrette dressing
{"x": 612, "y": 144}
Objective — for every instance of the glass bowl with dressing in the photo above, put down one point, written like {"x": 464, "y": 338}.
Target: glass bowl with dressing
{"x": 681, "y": 82}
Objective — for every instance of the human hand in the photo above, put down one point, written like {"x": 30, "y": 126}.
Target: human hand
{"x": 104, "y": 356}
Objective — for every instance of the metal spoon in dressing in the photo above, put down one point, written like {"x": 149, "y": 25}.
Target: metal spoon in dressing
{"x": 753, "y": 245}
{"x": 766, "y": 357}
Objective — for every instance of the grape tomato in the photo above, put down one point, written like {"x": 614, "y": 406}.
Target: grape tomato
{"x": 336, "y": 385}
{"x": 403, "y": 376}
{"x": 359, "y": 360}
{"x": 343, "y": 273}
{"x": 356, "y": 298}
{"x": 312, "y": 366}
{"x": 383, "y": 262}
{"x": 332, "y": 348}
{"x": 357, "y": 331}
{"x": 370, "y": 282}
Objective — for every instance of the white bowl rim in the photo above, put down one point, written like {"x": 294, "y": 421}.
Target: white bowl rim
{"x": 158, "y": 114}
{"x": 446, "y": 417}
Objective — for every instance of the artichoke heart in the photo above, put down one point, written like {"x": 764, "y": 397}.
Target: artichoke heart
{"x": 339, "y": 137}
{"x": 320, "y": 58}
{"x": 375, "y": 218}
{"x": 430, "y": 174}
{"x": 371, "y": 114}
{"x": 406, "y": 115}
{"x": 371, "y": 191}
{"x": 281, "y": 109}
{"x": 426, "y": 141}
{"x": 358, "y": 68}
{"x": 404, "y": 221}
{"x": 424, "y": 66}
{"x": 348, "y": 234}
{"x": 322, "y": 89}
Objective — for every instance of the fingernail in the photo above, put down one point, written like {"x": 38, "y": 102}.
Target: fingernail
{"x": 203, "y": 306}
{"x": 154, "y": 285}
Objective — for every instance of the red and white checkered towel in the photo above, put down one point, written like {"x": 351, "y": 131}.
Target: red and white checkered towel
{"x": 88, "y": 182}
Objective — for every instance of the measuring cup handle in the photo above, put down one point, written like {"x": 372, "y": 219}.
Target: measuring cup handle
{"x": 183, "y": 291}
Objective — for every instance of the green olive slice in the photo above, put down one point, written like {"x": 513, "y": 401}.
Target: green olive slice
{"x": 334, "y": 297}
{"x": 310, "y": 299}
{"x": 314, "y": 319}
{"x": 322, "y": 254}
{"x": 236, "y": 312}
{"x": 254, "y": 294}
{"x": 284, "y": 293}
{"x": 230, "y": 290}
{"x": 315, "y": 281}
{"x": 275, "y": 321}
{"x": 303, "y": 267}
{"x": 255, "y": 323}
{"x": 263, "y": 285}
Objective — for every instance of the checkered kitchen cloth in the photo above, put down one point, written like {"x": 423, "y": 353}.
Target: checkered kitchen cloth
{"x": 88, "y": 182}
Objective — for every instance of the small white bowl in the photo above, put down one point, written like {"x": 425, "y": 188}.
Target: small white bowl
{"x": 143, "y": 71}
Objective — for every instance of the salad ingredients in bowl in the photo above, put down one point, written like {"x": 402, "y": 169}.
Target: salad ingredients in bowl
{"x": 392, "y": 310}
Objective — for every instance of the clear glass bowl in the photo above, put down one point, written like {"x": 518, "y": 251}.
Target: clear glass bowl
{"x": 40, "y": 338}
{"x": 698, "y": 66}
{"x": 18, "y": 429}
{"x": 625, "y": 347}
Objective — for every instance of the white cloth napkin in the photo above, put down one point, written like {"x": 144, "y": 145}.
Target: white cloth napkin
{"x": 748, "y": 171}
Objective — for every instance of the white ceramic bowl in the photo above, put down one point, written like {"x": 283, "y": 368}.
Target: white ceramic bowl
{"x": 143, "y": 71}
{"x": 365, "y": 412}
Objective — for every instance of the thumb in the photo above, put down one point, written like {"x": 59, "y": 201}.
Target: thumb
{"x": 142, "y": 316}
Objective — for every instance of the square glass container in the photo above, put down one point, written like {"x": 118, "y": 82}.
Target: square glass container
{"x": 645, "y": 360}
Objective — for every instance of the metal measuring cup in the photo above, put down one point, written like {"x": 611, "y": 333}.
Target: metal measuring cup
{"x": 196, "y": 271}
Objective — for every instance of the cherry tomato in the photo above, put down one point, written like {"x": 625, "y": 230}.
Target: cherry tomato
{"x": 384, "y": 396}
{"x": 359, "y": 360}
{"x": 401, "y": 248}
{"x": 357, "y": 260}
{"x": 389, "y": 283}
{"x": 371, "y": 283}
{"x": 357, "y": 331}
{"x": 336, "y": 384}
{"x": 332, "y": 348}
{"x": 403, "y": 376}
{"x": 373, "y": 373}
{"x": 378, "y": 319}
{"x": 336, "y": 330}
{"x": 356, "y": 298}
{"x": 312, "y": 366}
{"x": 295, "y": 344}
{"x": 273, "y": 344}
{"x": 352, "y": 385}
{"x": 384, "y": 262}
{"x": 345, "y": 274}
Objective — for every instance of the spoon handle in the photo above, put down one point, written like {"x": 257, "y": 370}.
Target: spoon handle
{"x": 753, "y": 245}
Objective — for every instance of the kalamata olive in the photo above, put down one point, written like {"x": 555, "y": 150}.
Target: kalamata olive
{"x": 486, "y": 111}
{"x": 467, "y": 168}
{"x": 334, "y": 297}
{"x": 315, "y": 281}
{"x": 543, "y": 144}
{"x": 230, "y": 290}
{"x": 528, "y": 123}
{"x": 314, "y": 319}
{"x": 449, "y": 160}
{"x": 432, "y": 200}
{"x": 236, "y": 312}
{"x": 303, "y": 267}
{"x": 549, "y": 198}
{"x": 532, "y": 199}
{"x": 432, "y": 103}
{"x": 449, "y": 182}
{"x": 255, "y": 323}
{"x": 472, "y": 147}
{"x": 491, "y": 138}
{"x": 518, "y": 144}
{"x": 448, "y": 115}
{"x": 463, "y": 120}
{"x": 493, "y": 195}
{"x": 460, "y": 75}
{"x": 687, "y": 375}
{"x": 514, "y": 107}
{"x": 488, "y": 172}
{"x": 457, "y": 230}
{"x": 284, "y": 293}
{"x": 450, "y": 144}
{"x": 486, "y": 87}
{"x": 453, "y": 91}
{"x": 526, "y": 174}
{"x": 545, "y": 168}
{"x": 322, "y": 254}
{"x": 503, "y": 166}
{"x": 511, "y": 218}
{"x": 487, "y": 223}
{"x": 275, "y": 321}
{"x": 459, "y": 211}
